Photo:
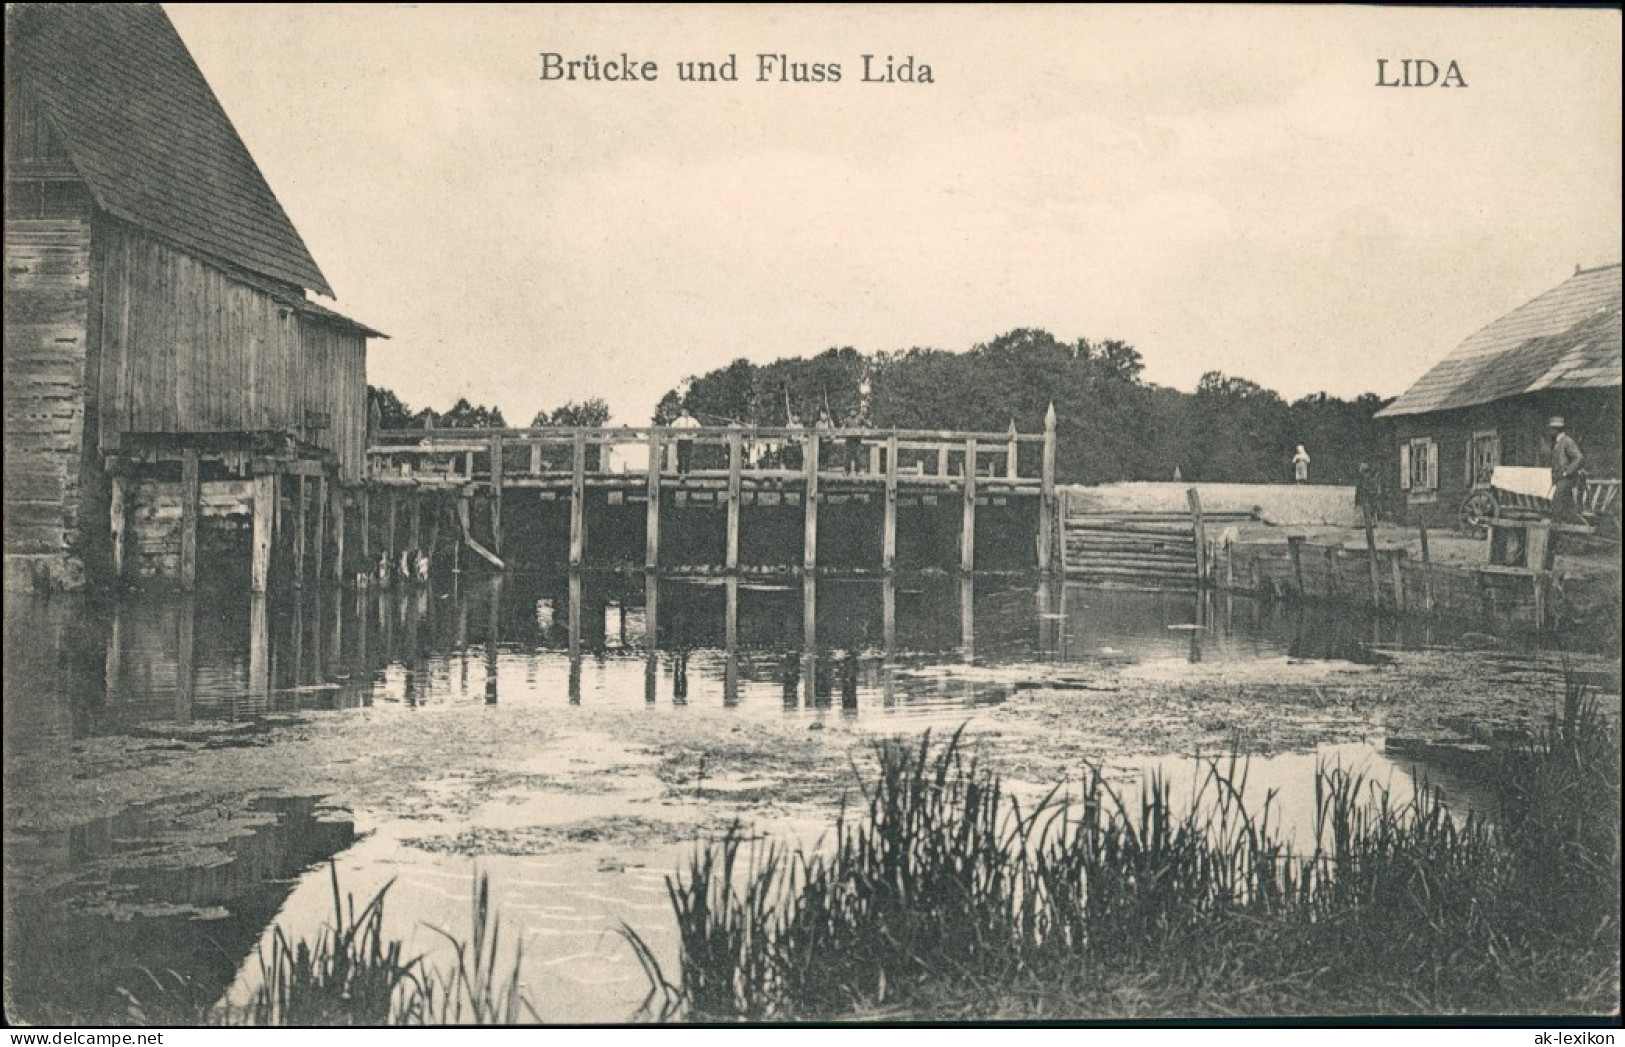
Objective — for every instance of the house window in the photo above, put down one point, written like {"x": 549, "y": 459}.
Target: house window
{"x": 1419, "y": 468}
{"x": 1483, "y": 455}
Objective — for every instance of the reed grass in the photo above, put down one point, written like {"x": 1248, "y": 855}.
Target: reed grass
{"x": 348, "y": 974}
{"x": 944, "y": 897}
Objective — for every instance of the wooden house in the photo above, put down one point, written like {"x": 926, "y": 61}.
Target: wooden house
{"x": 1489, "y": 401}
{"x": 162, "y": 358}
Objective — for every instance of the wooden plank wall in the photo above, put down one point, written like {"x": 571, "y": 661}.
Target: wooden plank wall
{"x": 154, "y": 537}
{"x": 188, "y": 349}
{"x": 335, "y": 385}
{"x": 47, "y": 300}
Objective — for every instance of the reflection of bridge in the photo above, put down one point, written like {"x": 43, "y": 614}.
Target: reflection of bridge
{"x": 608, "y": 475}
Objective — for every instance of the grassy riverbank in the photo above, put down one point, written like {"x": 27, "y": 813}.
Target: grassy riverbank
{"x": 944, "y": 898}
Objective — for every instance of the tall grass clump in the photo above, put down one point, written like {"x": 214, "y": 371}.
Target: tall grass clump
{"x": 349, "y": 974}
{"x": 944, "y": 897}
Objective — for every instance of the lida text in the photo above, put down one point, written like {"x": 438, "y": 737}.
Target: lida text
{"x": 1419, "y": 72}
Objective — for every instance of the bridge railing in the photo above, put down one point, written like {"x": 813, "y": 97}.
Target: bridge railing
{"x": 519, "y": 457}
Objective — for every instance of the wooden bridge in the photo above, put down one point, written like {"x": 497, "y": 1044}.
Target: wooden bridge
{"x": 480, "y": 472}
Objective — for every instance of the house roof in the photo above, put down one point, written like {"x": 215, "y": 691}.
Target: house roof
{"x": 149, "y": 137}
{"x": 1568, "y": 338}
{"x": 336, "y": 319}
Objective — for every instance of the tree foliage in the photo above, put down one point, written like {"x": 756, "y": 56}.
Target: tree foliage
{"x": 1110, "y": 424}
{"x": 592, "y": 414}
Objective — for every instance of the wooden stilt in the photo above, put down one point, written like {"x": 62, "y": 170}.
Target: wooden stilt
{"x": 1294, "y": 548}
{"x": 651, "y": 540}
{"x": 578, "y": 499}
{"x": 185, "y": 678}
{"x": 809, "y": 529}
{"x": 118, "y": 521}
{"x": 967, "y": 528}
{"x": 389, "y": 535}
{"x": 496, "y": 493}
{"x": 967, "y": 617}
{"x": 265, "y": 498}
{"x": 339, "y": 497}
{"x": 809, "y": 625}
{"x": 1012, "y": 455}
{"x": 320, "y": 541}
{"x": 300, "y": 512}
{"x": 730, "y": 666}
{"x": 1199, "y": 533}
{"x": 189, "y": 513}
{"x": 735, "y": 493}
{"x": 365, "y": 494}
{"x": 651, "y": 631}
{"x": 414, "y": 520}
{"x": 1046, "y": 497}
{"x": 1427, "y": 571}
{"x": 1371, "y": 557}
{"x": 888, "y": 534}
{"x": 259, "y": 651}
{"x": 493, "y": 629}
{"x": 574, "y": 688}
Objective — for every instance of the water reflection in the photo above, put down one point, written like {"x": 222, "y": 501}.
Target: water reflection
{"x": 890, "y": 646}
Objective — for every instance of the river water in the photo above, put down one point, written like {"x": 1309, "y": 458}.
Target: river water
{"x": 180, "y": 769}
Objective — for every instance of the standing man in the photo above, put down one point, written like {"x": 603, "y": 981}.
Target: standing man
{"x": 1567, "y": 477}
{"x": 1300, "y": 466}
{"x": 685, "y": 447}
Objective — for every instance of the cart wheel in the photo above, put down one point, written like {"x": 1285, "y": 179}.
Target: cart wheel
{"x": 1476, "y": 513}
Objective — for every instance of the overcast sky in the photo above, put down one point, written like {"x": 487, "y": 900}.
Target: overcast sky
{"x": 1223, "y": 189}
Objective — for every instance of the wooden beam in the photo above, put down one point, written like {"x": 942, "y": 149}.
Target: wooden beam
{"x": 189, "y": 514}
{"x": 578, "y": 500}
{"x": 365, "y": 494}
{"x": 339, "y": 496}
{"x": 389, "y": 536}
{"x": 651, "y": 539}
{"x": 118, "y": 521}
{"x": 809, "y": 520}
{"x": 496, "y": 494}
{"x": 299, "y": 535}
{"x": 414, "y": 521}
{"x": 320, "y": 540}
{"x": 1012, "y": 459}
{"x": 185, "y": 667}
{"x": 1371, "y": 557}
{"x": 535, "y": 459}
{"x": 1427, "y": 570}
{"x": 888, "y": 533}
{"x": 265, "y": 499}
{"x": 967, "y": 523}
{"x": 735, "y": 492}
{"x": 1294, "y": 548}
{"x": 1199, "y": 533}
{"x": 1046, "y": 498}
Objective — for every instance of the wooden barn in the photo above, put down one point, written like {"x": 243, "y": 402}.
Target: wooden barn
{"x": 1488, "y": 402}
{"x": 166, "y": 374}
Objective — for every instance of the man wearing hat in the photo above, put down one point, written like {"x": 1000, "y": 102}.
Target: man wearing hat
{"x": 1566, "y": 475}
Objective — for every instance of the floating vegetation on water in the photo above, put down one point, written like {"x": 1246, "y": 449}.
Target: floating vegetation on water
{"x": 947, "y": 898}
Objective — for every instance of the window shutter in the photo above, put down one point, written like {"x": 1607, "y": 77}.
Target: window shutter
{"x": 1405, "y": 467}
{"x": 1433, "y": 466}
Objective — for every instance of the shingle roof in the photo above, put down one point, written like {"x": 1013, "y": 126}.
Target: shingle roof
{"x": 149, "y": 137}
{"x": 1568, "y": 338}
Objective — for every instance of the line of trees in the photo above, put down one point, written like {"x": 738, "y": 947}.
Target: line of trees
{"x": 1111, "y": 425}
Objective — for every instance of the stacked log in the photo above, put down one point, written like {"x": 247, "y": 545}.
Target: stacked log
{"x": 1137, "y": 549}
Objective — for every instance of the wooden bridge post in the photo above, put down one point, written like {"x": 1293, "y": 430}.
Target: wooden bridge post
{"x": 118, "y": 521}
{"x": 578, "y": 499}
{"x": 496, "y": 494}
{"x": 414, "y": 521}
{"x": 651, "y": 636}
{"x": 809, "y": 539}
{"x": 389, "y": 538}
{"x": 1294, "y": 548}
{"x": 365, "y": 494}
{"x": 735, "y": 491}
{"x": 185, "y": 660}
{"x": 1371, "y": 557}
{"x": 651, "y": 539}
{"x": 967, "y": 528}
{"x": 1199, "y": 536}
{"x": 1046, "y": 497}
{"x": 265, "y": 496}
{"x": 189, "y": 513}
{"x": 809, "y": 632}
{"x": 1012, "y": 454}
{"x": 888, "y": 539}
{"x": 321, "y": 537}
{"x": 303, "y": 508}
{"x": 339, "y": 495}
